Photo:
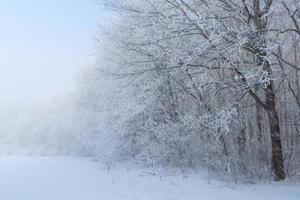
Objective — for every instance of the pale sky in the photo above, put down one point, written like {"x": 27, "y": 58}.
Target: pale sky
{"x": 42, "y": 45}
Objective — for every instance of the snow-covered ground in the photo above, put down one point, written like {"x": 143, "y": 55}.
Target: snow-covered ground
{"x": 65, "y": 178}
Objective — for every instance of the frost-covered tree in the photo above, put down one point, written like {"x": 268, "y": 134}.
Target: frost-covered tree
{"x": 194, "y": 83}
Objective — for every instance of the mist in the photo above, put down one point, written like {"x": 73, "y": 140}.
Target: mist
{"x": 44, "y": 44}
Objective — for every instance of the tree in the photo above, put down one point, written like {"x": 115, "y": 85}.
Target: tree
{"x": 198, "y": 58}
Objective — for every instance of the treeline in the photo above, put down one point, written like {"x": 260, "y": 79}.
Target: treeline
{"x": 215, "y": 83}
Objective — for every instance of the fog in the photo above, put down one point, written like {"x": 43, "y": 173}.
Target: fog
{"x": 43, "y": 45}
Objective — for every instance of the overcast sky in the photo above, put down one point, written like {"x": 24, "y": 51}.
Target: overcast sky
{"x": 42, "y": 45}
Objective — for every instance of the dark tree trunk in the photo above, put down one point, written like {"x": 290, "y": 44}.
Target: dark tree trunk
{"x": 277, "y": 153}
{"x": 259, "y": 119}
{"x": 270, "y": 96}
{"x": 260, "y": 46}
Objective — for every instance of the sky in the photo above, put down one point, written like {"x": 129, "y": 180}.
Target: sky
{"x": 43, "y": 43}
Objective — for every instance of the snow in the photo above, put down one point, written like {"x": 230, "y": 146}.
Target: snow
{"x": 68, "y": 178}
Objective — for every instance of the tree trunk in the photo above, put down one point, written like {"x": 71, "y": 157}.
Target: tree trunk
{"x": 261, "y": 23}
{"x": 259, "y": 119}
{"x": 277, "y": 153}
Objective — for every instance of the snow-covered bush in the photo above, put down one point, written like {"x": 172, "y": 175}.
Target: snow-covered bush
{"x": 179, "y": 144}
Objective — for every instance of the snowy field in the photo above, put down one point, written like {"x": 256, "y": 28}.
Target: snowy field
{"x": 64, "y": 178}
